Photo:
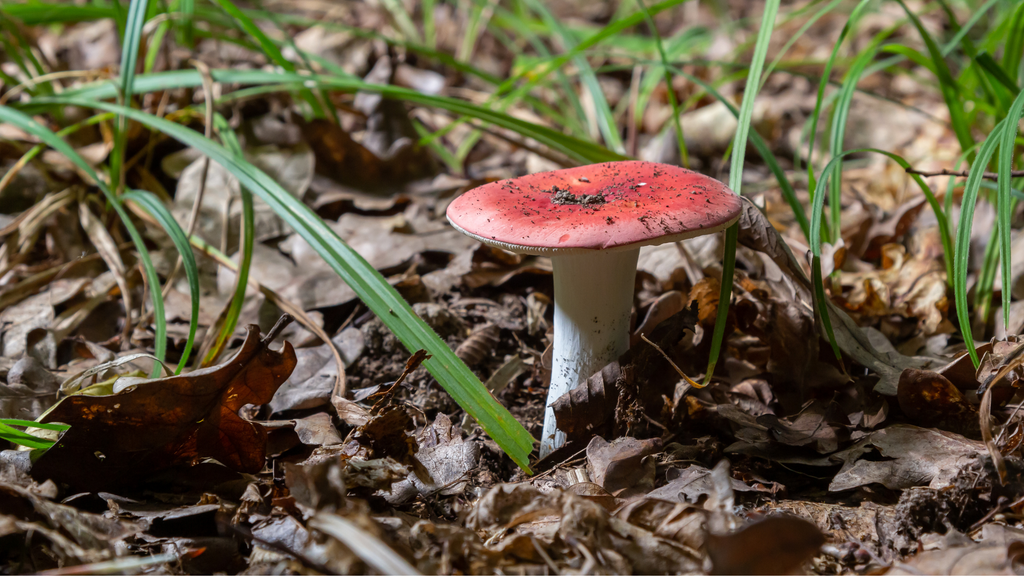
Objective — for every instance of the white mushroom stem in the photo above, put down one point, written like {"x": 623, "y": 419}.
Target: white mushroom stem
{"x": 593, "y": 301}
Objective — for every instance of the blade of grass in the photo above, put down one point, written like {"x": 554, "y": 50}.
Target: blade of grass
{"x": 129, "y": 59}
{"x": 270, "y": 49}
{"x": 1004, "y": 204}
{"x": 248, "y": 238}
{"x": 1014, "y": 44}
{"x": 684, "y": 158}
{"x": 187, "y": 9}
{"x": 963, "y": 236}
{"x": 16, "y": 436}
{"x": 764, "y": 34}
{"x": 379, "y": 296}
{"x": 580, "y": 150}
{"x": 796, "y": 36}
{"x": 150, "y": 203}
{"x": 401, "y": 18}
{"x": 26, "y": 123}
{"x": 947, "y": 84}
{"x": 605, "y": 122}
{"x": 840, "y": 114}
{"x": 851, "y": 23}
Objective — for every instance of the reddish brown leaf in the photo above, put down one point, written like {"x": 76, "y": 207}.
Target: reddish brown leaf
{"x": 930, "y": 400}
{"x": 177, "y": 420}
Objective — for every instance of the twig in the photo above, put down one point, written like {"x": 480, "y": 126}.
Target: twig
{"x": 678, "y": 370}
{"x": 962, "y": 173}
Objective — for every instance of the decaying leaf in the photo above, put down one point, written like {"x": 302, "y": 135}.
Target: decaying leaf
{"x": 914, "y": 457}
{"x": 929, "y": 399}
{"x": 1000, "y": 551}
{"x": 874, "y": 353}
{"x": 619, "y": 465}
{"x": 774, "y": 545}
{"x": 178, "y": 420}
{"x": 447, "y": 459}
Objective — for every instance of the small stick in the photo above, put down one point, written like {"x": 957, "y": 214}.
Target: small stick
{"x": 680, "y": 372}
{"x": 962, "y": 173}
{"x": 413, "y": 363}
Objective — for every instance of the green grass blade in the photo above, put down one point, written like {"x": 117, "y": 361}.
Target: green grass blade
{"x": 605, "y": 121}
{"x": 1004, "y": 204}
{"x": 403, "y": 21}
{"x": 36, "y": 13}
{"x": 26, "y": 123}
{"x": 270, "y": 49}
{"x": 379, "y": 296}
{"x": 983, "y": 288}
{"x": 963, "y": 235}
{"x": 947, "y": 84}
{"x": 150, "y": 203}
{"x": 840, "y": 114}
{"x": 676, "y": 124}
{"x": 187, "y": 9}
{"x": 230, "y": 140}
{"x": 23, "y": 438}
{"x": 55, "y": 426}
{"x": 851, "y": 23}
{"x": 129, "y": 59}
{"x": 797, "y": 35}
{"x": 989, "y": 64}
{"x": 771, "y": 9}
{"x": 580, "y": 150}
{"x": 1014, "y": 44}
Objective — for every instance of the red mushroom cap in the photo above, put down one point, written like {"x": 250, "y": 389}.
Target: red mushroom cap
{"x": 610, "y": 206}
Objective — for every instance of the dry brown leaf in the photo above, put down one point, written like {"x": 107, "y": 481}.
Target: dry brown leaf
{"x": 930, "y": 400}
{"x": 177, "y": 420}
{"x": 618, "y": 465}
{"x": 913, "y": 457}
{"x": 775, "y": 545}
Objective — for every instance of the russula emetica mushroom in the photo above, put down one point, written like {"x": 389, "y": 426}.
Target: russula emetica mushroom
{"x": 591, "y": 221}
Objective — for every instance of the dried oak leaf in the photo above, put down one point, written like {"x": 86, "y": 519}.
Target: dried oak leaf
{"x": 177, "y": 420}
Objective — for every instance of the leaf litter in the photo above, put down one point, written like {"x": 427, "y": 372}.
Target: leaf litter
{"x": 283, "y": 461}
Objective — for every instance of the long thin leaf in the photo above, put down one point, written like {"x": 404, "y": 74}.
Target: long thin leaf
{"x": 245, "y": 249}
{"x": 150, "y": 203}
{"x": 739, "y": 146}
{"x": 580, "y": 150}
{"x": 851, "y": 23}
{"x": 1004, "y": 202}
{"x": 947, "y": 83}
{"x": 270, "y": 49}
{"x": 129, "y": 59}
{"x": 963, "y": 236}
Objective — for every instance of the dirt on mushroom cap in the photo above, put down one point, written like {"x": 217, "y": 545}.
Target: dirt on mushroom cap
{"x": 615, "y": 205}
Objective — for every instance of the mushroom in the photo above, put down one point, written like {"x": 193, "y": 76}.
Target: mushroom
{"x": 591, "y": 221}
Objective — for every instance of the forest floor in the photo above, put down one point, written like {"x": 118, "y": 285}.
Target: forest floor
{"x": 902, "y": 457}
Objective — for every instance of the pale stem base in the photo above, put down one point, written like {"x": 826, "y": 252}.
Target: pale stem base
{"x": 593, "y": 302}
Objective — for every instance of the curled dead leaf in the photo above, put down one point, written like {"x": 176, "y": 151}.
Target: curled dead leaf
{"x": 120, "y": 438}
